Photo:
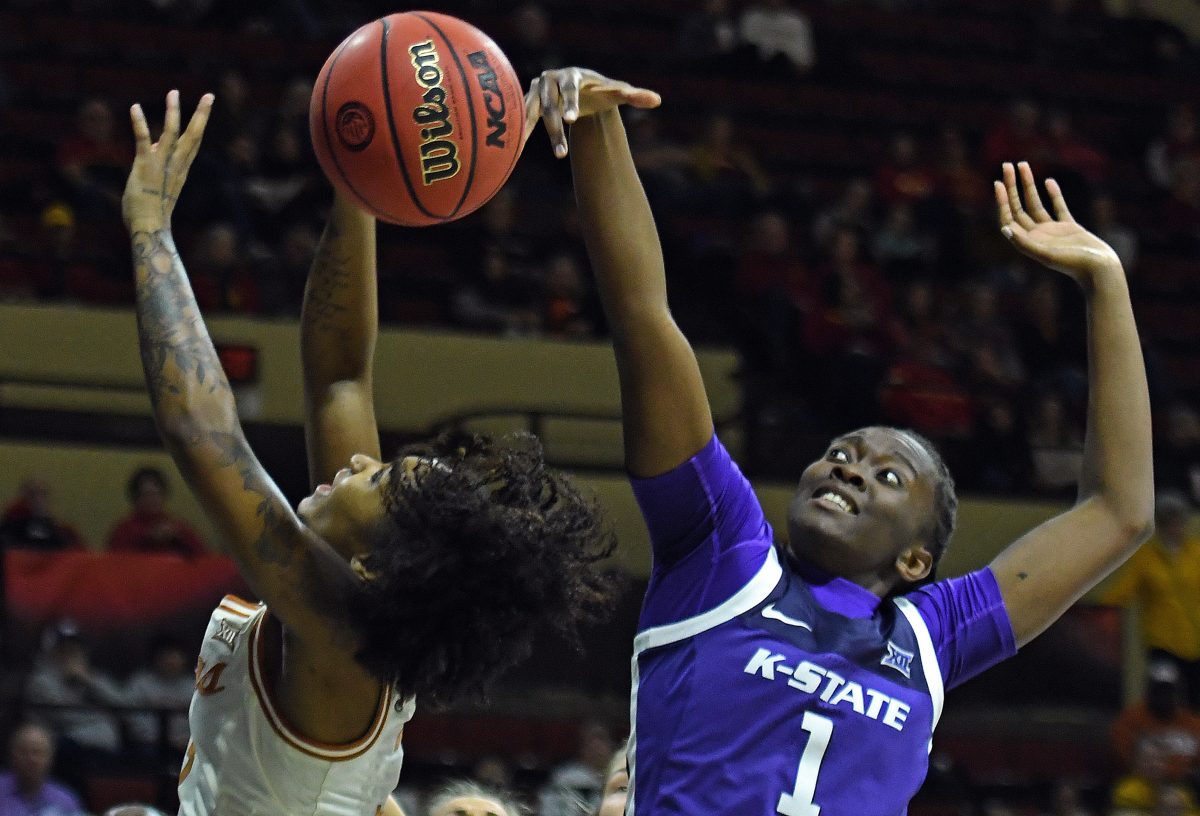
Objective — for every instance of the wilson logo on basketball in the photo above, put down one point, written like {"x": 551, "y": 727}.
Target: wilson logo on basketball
{"x": 493, "y": 99}
{"x": 209, "y": 682}
{"x": 439, "y": 155}
{"x": 355, "y": 126}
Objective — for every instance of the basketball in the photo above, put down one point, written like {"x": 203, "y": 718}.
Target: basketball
{"x": 418, "y": 118}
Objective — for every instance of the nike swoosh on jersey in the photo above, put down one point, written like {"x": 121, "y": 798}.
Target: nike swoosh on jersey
{"x": 769, "y": 611}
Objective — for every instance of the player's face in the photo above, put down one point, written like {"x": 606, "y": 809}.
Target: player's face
{"x": 864, "y": 504}
{"x": 348, "y": 510}
{"x": 471, "y": 806}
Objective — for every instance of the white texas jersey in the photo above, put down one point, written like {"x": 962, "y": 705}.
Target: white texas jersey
{"x": 244, "y": 759}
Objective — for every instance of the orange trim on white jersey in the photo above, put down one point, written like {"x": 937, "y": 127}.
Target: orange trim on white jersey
{"x": 320, "y": 750}
{"x": 238, "y": 606}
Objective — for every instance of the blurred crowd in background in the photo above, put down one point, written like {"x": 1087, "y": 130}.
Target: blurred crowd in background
{"x": 861, "y": 277}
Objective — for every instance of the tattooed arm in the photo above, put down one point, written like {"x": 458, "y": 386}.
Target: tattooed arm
{"x": 299, "y": 575}
{"x": 337, "y": 342}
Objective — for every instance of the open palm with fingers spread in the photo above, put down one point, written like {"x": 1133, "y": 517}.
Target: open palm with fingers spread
{"x": 1056, "y": 241}
{"x": 159, "y": 169}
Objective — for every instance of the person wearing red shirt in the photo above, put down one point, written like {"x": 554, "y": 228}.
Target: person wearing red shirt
{"x": 149, "y": 528}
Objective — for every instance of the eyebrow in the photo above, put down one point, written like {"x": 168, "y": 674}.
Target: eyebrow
{"x": 377, "y": 476}
{"x": 858, "y": 440}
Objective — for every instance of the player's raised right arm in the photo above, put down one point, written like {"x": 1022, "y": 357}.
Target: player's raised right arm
{"x": 298, "y": 574}
{"x": 664, "y": 406}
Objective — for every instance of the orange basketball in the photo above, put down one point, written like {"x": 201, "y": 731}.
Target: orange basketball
{"x": 417, "y": 117}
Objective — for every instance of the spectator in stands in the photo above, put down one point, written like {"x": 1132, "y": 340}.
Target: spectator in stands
{"x": 984, "y": 339}
{"x": 921, "y": 389}
{"x": 493, "y": 771}
{"x": 221, "y": 275}
{"x": 854, "y": 208}
{"x": 998, "y": 460}
{"x": 282, "y": 288}
{"x": 1068, "y": 152}
{"x": 237, "y": 113}
{"x": 852, "y": 328}
{"x": 500, "y": 290}
{"x": 709, "y": 35}
{"x": 780, "y": 34}
{"x": 1067, "y": 801}
{"x": 1181, "y": 141}
{"x": 70, "y": 694}
{"x": 566, "y": 314}
{"x": 1019, "y": 135}
{"x": 1162, "y": 720}
{"x": 283, "y": 189}
{"x": 29, "y": 523}
{"x": 1050, "y": 350}
{"x": 470, "y": 799}
{"x": 902, "y": 249}
{"x": 1107, "y": 225}
{"x": 576, "y": 787}
{"x": 150, "y": 528}
{"x": 1177, "y": 459}
{"x": 661, "y": 164}
{"x": 1136, "y": 791}
{"x": 64, "y": 268}
{"x": 1163, "y": 578}
{"x": 1055, "y": 444}
{"x": 774, "y": 296}
{"x": 529, "y": 47}
{"x": 166, "y": 683}
{"x": 1179, "y": 217}
{"x": 904, "y": 178}
{"x": 26, "y": 789}
{"x": 725, "y": 175}
{"x": 94, "y": 160}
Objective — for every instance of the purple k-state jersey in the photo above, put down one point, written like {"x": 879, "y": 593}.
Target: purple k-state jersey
{"x": 764, "y": 687}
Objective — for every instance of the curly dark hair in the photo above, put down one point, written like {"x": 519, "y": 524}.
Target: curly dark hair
{"x": 482, "y": 545}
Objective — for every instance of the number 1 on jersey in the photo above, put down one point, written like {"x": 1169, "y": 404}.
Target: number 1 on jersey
{"x": 800, "y": 801}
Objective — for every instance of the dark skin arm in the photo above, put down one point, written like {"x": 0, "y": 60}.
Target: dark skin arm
{"x": 1052, "y": 566}
{"x": 664, "y": 405}
{"x": 297, "y": 573}
{"x": 338, "y": 328}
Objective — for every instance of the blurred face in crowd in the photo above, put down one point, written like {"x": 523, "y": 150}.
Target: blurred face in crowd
{"x": 31, "y": 754}
{"x": 96, "y": 121}
{"x": 470, "y": 806}
{"x": 169, "y": 662}
{"x": 151, "y": 496}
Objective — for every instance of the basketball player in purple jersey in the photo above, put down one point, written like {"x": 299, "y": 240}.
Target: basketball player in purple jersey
{"x": 808, "y": 679}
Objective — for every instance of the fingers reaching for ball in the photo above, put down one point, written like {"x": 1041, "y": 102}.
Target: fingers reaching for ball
{"x": 563, "y": 96}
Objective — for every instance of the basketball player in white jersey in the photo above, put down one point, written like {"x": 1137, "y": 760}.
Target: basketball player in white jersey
{"x": 422, "y": 577}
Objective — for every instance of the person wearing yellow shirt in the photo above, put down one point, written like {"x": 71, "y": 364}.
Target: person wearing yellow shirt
{"x": 1163, "y": 578}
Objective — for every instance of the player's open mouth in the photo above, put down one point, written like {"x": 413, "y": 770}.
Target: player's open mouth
{"x": 836, "y": 500}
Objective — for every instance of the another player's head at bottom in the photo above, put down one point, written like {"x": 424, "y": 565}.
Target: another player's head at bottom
{"x": 878, "y": 508}
{"x": 465, "y": 546}
{"x": 468, "y": 798}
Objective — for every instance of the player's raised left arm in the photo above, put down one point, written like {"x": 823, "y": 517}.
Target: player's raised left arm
{"x": 298, "y": 574}
{"x": 338, "y": 328}
{"x": 1052, "y": 566}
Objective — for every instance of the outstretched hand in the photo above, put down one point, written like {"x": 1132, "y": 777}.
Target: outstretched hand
{"x": 159, "y": 169}
{"x": 1056, "y": 241}
{"x": 562, "y": 96}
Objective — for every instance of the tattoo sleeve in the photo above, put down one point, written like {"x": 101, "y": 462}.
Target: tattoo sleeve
{"x": 181, "y": 366}
{"x": 194, "y": 405}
